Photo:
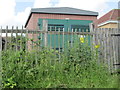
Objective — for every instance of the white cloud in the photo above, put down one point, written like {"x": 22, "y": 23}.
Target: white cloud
{"x": 8, "y": 16}
{"x": 42, "y": 3}
{"x": 21, "y": 17}
{"x": 24, "y": 0}
{"x": 82, "y": 4}
{"x": 113, "y": 0}
{"x": 7, "y": 11}
{"x": 92, "y": 5}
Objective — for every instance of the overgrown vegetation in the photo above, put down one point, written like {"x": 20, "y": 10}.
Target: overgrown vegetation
{"x": 76, "y": 67}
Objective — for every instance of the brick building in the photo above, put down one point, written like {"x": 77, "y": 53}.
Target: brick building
{"x": 58, "y": 13}
{"x": 60, "y": 17}
{"x": 110, "y": 19}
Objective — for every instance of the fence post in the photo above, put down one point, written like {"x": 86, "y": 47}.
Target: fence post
{"x": 0, "y": 58}
{"x": 45, "y": 28}
{"x": 92, "y": 38}
{"x": 11, "y": 39}
{"x": 6, "y": 37}
{"x": 118, "y": 42}
{"x": 63, "y": 40}
{"x": 16, "y": 38}
{"x": 119, "y": 36}
{"x": 117, "y": 49}
{"x": 21, "y": 39}
{"x": 0, "y": 40}
{"x": 26, "y": 46}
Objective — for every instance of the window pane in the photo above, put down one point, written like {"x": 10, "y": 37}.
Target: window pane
{"x": 55, "y": 27}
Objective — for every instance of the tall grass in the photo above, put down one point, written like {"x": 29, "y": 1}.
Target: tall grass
{"x": 75, "y": 68}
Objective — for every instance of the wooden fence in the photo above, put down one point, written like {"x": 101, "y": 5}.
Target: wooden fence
{"x": 108, "y": 39}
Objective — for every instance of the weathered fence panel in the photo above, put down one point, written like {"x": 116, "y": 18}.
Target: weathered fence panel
{"x": 0, "y": 58}
{"x": 108, "y": 39}
{"x": 109, "y": 45}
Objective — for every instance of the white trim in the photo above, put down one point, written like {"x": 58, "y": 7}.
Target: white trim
{"x": 109, "y": 21}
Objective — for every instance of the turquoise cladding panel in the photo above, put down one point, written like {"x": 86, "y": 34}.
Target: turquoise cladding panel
{"x": 58, "y": 41}
{"x": 67, "y": 23}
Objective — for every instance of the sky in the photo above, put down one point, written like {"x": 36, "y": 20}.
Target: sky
{"x": 16, "y": 12}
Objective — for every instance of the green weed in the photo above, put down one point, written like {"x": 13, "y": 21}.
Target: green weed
{"x": 76, "y": 67}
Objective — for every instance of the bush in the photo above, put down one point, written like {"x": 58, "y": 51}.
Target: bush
{"x": 75, "y": 68}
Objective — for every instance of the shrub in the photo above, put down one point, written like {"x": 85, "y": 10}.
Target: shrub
{"x": 76, "y": 67}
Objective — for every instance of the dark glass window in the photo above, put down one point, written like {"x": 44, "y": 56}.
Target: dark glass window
{"x": 55, "y": 27}
{"x": 79, "y": 28}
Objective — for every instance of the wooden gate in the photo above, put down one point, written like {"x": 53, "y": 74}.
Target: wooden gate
{"x": 116, "y": 37}
{"x": 109, "y": 51}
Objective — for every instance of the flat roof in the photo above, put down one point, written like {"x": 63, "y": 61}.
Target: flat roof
{"x": 63, "y": 10}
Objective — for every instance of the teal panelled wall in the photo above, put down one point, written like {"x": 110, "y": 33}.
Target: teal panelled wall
{"x": 58, "y": 41}
{"x": 67, "y": 23}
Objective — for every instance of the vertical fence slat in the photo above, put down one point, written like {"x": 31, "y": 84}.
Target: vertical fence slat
{"x": 112, "y": 49}
{"x": 6, "y": 35}
{"x": 108, "y": 46}
{"x": 102, "y": 46}
{"x": 26, "y": 46}
{"x": 32, "y": 40}
{"x": 72, "y": 39}
{"x": 59, "y": 42}
{"x": 55, "y": 39}
{"x": 11, "y": 38}
{"x": 21, "y": 39}
{"x": 16, "y": 38}
{"x": 104, "y": 38}
{"x": 45, "y": 28}
{"x": 68, "y": 38}
{"x": 50, "y": 38}
{"x": 119, "y": 46}
{"x": 0, "y": 58}
{"x": 116, "y": 49}
{"x": 0, "y": 41}
{"x": 63, "y": 40}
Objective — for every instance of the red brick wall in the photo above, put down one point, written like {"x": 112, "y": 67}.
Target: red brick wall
{"x": 32, "y": 24}
{"x": 34, "y": 18}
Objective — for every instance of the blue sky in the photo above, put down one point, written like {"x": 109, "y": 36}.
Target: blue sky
{"x": 112, "y": 5}
{"x": 22, "y": 4}
{"x": 19, "y": 9}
